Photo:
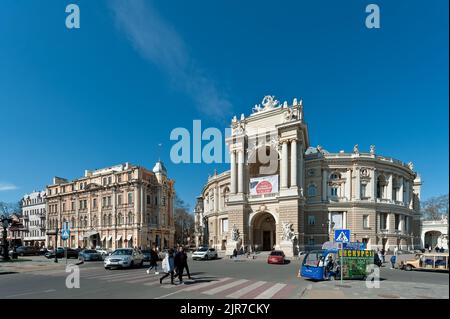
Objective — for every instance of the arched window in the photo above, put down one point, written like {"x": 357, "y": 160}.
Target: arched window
{"x": 312, "y": 190}
{"x": 85, "y": 222}
{"x": 94, "y": 221}
{"x": 130, "y": 218}
{"x": 109, "y": 220}
{"x": 105, "y": 220}
{"x": 73, "y": 222}
{"x": 119, "y": 219}
{"x": 335, "y": 175}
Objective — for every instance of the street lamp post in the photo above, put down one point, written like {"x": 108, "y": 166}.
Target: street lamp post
{"x": 205, "y": 231}
{"x": 56, "y": 244}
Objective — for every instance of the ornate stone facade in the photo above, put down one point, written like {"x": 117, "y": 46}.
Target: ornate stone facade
{"x": 309, "y": 189}
{"x": 114, "y": 207}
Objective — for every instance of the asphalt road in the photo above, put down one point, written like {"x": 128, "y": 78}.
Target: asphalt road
{"x": 222, "y": 278}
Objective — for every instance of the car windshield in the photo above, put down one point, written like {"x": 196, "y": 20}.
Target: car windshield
{"x": 146, "y": 251}
{"x": 122, "y": 252}
{"x": 313, "y": 258}
{"x": 276, "y": 253}
{"x": 203, "y": 249}
{"x": 90, "y": 251}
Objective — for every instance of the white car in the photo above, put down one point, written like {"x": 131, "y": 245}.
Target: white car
{"x": 103, "y": 252}
{"x": 124, "y": 258}
{"x": 204, "y": 253}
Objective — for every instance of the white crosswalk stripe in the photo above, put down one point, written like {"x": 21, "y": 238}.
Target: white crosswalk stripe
{"x": 246, "y": 290}
{"x": 225, "y": 287}
{"x": 130, "y": 276}
{"x": 271, "y": 291}
{"x": 205, "y": 284}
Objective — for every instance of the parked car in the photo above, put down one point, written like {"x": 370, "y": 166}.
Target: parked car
{"x": 102, "y": 252}
{"x": 43, "y": 251}
{"x": 124, "y": 258}
{"x": 276, "y": 257}
{"x": 204, "y": 253}
{"x": 90, "y": 255}
{"x": 27, "y": 251}
{"x": 60, "y": 253}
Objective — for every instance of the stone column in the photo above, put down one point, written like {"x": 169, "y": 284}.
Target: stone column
{"x": 373, "y": 185}
{"x": 400, "y": 190}
{"x": 240, "y": 171}
{"x": 324, "y": 185}
{"x": 389, "y": 188}
{"x": 358, "y": 183}
{"x": 294, "y": 160}
{"x": 302, "y": 167}
{"x": 348, "y": 185}
{"x": 284, "y": 165}
{"x": 216, "y": 199}
{"x": 233, "y": 172}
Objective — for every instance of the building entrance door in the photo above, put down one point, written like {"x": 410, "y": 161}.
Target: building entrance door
{"x": 266, "y": 241}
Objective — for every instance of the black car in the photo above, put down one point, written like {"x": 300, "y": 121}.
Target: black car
{"x": 60, "y": 253}
{"x": 27, "y": 251}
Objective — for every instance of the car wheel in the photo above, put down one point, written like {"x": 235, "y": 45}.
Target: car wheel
{"x": 331, "y": 278}
{"x": 22, "y": 254}
{"x": 206, "y": 257}
{"x": 408, "y": 267}
{"x": 142, "y": 263}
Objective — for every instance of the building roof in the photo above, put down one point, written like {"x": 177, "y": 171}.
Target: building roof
{"x": 159, "y": 168}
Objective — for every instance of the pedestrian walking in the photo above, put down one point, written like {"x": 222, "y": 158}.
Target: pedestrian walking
{"x": 393, "y": 261}
{"x": 185, "y": 262}
{"x": 383, "y": 255}
{"x": 153, "y": 261}
{"x": 168, "y": 267}
{"x": 178, "y": 261}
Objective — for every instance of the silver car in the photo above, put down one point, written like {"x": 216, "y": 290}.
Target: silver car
{"x": 124, "y": 258}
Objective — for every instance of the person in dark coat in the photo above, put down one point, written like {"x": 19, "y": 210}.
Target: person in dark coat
{"x": 185, "y": 262}
{"x": 153, "y": 261}
{"x": 179, "y": 264}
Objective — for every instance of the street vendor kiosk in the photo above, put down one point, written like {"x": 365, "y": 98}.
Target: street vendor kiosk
{"x": 325, "y": 264}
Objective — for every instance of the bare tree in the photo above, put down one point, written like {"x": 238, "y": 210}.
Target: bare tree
{"x": 435, "y": 207}
{"x": 184, "y": 222}
{"x": 7, "y": 209}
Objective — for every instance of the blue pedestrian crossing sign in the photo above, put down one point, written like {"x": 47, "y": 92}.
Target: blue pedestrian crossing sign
{"x": 342, "y": 235}
{"x": 65, "y": 232}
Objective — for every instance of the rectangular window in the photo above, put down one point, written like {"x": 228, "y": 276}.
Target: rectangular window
{"x": 148, "y": 200}
{"x": 311, "y": 220}
{"x": 103, "y": 201}
{"x": 224, "y": 225}
{"x": 397, "y": 221}
{"x": 109, "y": 180}
{"x": 119, "y": 199}
{"x": 334, "y": 191}
{"x": 119, "y": 178}
{"x": 383, "y": 221}
{"x": 94, "y": 203}
{"x": 311, "y": 243}
{"x": 109, "y": 200}
{"x": 130, "y": 198}
{"x": 129, "y": 176}
{"x": 363, "y": 190}
{"x": 365, "y": 221}
{"x": 104, "y": 181}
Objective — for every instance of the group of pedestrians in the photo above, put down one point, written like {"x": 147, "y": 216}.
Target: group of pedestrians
{"x": 174, "y": 264}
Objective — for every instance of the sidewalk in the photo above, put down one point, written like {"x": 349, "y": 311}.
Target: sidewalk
{"x": 34, "y": 263}
{"x": 388, "y": 290}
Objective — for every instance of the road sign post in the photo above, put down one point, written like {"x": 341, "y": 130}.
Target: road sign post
{"x": 65, "y": 233}
{"x": 342, "y": 236}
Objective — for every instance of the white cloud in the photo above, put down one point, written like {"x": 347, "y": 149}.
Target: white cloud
{"x": 159, "y": 43}
{"x": 7, "y": 187}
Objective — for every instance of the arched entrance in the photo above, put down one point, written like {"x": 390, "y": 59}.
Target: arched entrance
{"x": 431, "y": 238}
{"x": 263, "y": 230}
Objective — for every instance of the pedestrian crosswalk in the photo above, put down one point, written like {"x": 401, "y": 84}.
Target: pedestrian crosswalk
{"x": 224, "y": 287}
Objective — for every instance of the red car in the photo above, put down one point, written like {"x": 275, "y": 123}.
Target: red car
{"x": 276, "y": 257}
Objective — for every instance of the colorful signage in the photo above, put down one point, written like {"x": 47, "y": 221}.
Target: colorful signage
{"x": 264, "y": 185}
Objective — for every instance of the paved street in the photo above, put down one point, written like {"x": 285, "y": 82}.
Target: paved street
{"x": 223, "y": 278}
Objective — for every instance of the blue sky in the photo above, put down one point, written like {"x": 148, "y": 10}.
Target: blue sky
{"x": 113, "y": 90}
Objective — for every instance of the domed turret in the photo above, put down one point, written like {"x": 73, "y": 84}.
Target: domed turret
{"x": 159, "y": 168}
